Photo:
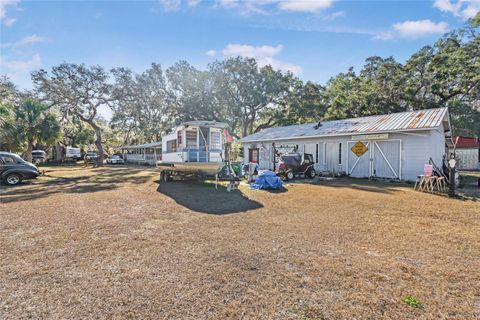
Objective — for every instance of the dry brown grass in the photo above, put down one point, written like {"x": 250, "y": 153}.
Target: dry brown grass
{"x": 111, "y": 244}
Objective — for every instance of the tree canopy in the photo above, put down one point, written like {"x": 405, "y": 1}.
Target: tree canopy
{"x": 248, "y": 97}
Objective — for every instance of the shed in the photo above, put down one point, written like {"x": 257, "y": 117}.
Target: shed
{"x": 467, "y": 150}
{"x": 395, "y": 146}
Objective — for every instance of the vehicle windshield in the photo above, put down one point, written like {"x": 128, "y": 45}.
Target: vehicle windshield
{"x": 91, "y": 153}
{"x": 115, "y": 157}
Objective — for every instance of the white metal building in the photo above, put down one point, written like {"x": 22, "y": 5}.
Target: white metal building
{"x": 395, "y": 146}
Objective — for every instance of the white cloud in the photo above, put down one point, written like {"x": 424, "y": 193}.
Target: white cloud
{"x": 264, "y": 55}
{"x": 305, "y": 5}
{"x": 9, "y": 21}
{"x": 420, "y": 28}
{"x": 266, "y": 6}
{"x": 227, "y": 3}
{"x": 170, "y": 5}
{"x": 334, "y": 15}
{"x": 412, "y": 30}
{"x": 193, "y": 3}
{"x": 24, "y": 41}
{"x": 3, "y": 11}
{"x": 461, "y": 8}
{"x": 385, "y": 35}
{"x": 211, "y": 53}
{"x": 21, "y": 65}
{"x": 244, "y": 50}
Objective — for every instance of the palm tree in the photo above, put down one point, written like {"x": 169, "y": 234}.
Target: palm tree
{"x": 34, "y": 124}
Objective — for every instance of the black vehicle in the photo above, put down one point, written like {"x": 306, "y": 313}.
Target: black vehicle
{"x": 14, "y": 169}
{"x": 293, "y": 165}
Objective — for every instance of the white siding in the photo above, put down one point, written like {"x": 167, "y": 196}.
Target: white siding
{"x": 468, "y": 159}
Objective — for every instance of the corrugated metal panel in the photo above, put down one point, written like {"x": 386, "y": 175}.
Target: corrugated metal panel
{"x": 412, "y": 120}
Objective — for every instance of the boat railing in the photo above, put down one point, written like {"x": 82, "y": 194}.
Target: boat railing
{"x": 200, "y": 155}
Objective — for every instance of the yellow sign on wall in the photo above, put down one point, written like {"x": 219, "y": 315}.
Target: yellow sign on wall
{"x": 359, "y": 148}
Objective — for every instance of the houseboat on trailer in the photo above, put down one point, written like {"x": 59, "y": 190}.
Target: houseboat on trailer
{"x": 193, "y": 148}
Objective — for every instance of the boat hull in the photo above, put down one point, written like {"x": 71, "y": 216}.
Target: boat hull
{"x": 199, "y": 168}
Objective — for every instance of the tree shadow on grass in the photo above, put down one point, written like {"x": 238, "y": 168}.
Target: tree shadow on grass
{"x": 204, "y": 198}
{"x": 378, "y": 186}
{"x": 102, "y": 181}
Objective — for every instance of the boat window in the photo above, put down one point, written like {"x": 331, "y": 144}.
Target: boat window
{"x": 179, "y": 138}
{"x": 215, "y": 140}
{"x": 172, "y": 146}
{"x": 191, "y": 138}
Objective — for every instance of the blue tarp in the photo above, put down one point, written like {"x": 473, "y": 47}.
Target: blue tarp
{"x": 267, "y": 180}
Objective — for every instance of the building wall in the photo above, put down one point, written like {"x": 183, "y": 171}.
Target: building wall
{"x": 468, "y": 158}
{"x": 406, "y": 152}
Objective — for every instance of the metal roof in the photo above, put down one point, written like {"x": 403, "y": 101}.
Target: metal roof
{"x": 145, "y": 145}
{"x": 403, "y": 121}
{"x": 205, "y": 123}
{"x": 466, "y": 142}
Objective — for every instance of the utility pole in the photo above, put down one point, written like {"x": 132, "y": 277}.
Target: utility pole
{"x": 451, "y": 164}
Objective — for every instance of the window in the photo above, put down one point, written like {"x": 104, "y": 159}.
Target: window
{"x": 316, "y": 153}
{"x": 324, "y": 153}
{"x": 171, "y": 146}
{"x": 215, "y": 140}
{"x": 191, "y": 138}
{"x": 8, "y": 160}
{"x": 340, "y": 153}
{"x": 179, "y": 138}
{"x": 253, "y": 155}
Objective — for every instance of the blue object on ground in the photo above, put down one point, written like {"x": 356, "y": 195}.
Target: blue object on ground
{"x": 267, "y": 180}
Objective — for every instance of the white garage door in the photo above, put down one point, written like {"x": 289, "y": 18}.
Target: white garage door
{"x": 382, "y": 160}
{"x": 359, "y": 167}
{"x": 386, "y": 159}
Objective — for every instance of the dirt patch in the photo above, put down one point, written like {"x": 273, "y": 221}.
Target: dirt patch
{"x": 113, "y": 243}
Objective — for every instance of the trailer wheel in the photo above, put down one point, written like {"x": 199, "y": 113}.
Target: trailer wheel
{"x": 289, "y": 175}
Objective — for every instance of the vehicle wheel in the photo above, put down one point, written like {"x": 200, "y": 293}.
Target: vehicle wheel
{"x": 311, "y": 173}
{"x": 165, "y": 176}
{"x": 13, "y": 179}
{"x": 289, "y": 175}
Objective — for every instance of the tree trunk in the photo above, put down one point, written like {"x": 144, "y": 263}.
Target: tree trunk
{"x": 29, "y": 151}
{"x": 98, "y": 142}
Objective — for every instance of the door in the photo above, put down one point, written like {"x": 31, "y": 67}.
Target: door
{"x": 386, "y": 159}
{"x": 203, "y": 144}
{"x": 359, "y": 166}
{"x": 332, "y": 156}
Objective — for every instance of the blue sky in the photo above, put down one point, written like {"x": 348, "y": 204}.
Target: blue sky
{"x": 315, "y": 39}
